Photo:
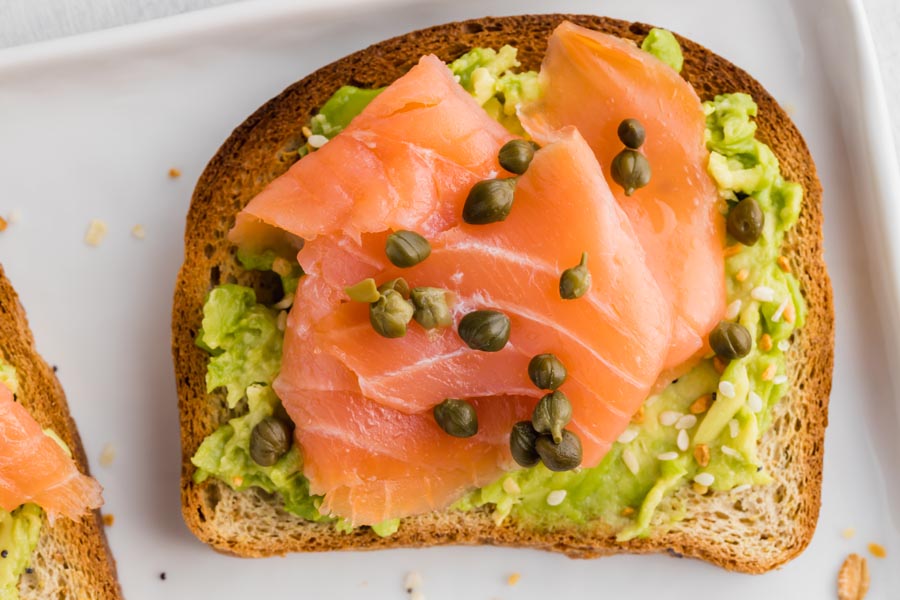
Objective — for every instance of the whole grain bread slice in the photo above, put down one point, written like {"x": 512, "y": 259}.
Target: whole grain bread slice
{"x": 72, "y": 558}
{"x": 752, "y": 532}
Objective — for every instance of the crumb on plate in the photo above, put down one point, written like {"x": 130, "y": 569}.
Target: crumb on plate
{"x": 513, "y": 579}
{"x": 108, "y": 520}
{"x": 107, "y": 455}
{"x": 174, "y": 173}
{"x": 853, "y": 578}
{"x": 95, "y": 233}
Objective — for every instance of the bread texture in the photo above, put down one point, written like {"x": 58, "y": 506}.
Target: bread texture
{"x": 72, "y": 559}
{"x": 752, "y": 532}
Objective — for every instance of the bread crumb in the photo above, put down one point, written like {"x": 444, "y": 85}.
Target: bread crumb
{"x": 783, "y": 264}
{"x": 699, "y": 489}
{"x": 3, "y": 224}
{"x": 138, "y": 232}
{"x": 108, "y": 520}
{"x": 107, "y": 455}
{"x": 511, "y": 487}
{"x": 701, "y": 454}
{"x": 237, "y": 481}
{"x": 701, "y": 404}
{"x": 513, "y": 579}
{"x": 95, "y": 233}
{"x": 853, "y": 578}
{"x": 174, "y": 173}
{"x": 877, "y": 550}
{"x": 769, "y": 372}
{"x": 413, "y": 584}
{"x": 848, "y": 533}
{"x": 765, "y": 342}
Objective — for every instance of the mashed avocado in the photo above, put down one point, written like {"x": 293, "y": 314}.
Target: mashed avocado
{"x": 723, "y": 414}
{"x": 19, "y": 533}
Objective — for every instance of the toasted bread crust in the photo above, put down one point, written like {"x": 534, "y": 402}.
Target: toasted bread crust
{"x": 72, "y": 558}
{"x": 772, "y": 525}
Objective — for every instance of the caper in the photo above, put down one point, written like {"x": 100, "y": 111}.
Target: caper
{"x": 745, "y": 221}
{"x": 485, "y": 330}
{"x": 632, "y": 133}
{"x": 575, "y": 282}
{"x": 390, "y": 314}
{"x": 431, "y": 307}
{"x": 406, "y": 248}
{"x": 516, "y": 155}
{"x": 456, "y": 417}
{"x": 631, "y": 170}
{"x": 564, "y": 456}
{"x": 730, "y": 340}
{"x": 546, "y": 372}
{"x": 399, "y": 285}
{"x": 551, "y": 414}
{"x": 522, "y": 439}
{"x": 489, "y": 201}
{"x": 270, "y": 440}
{"x": 364, "y": 291}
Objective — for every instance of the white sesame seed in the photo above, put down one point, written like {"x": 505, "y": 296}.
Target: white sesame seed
{"x": 413, "y": 581}
{"x": 729, "y": 451}
{"x": 631, "y": 461}
{"x": 726, "y": 388}
{"x": 733, "y": 310}
{"x": 628, "y": 435}
{"x": 762, "y": 293}
{"x": 95, "y": 233}
{"x": 741, "y": 488}
{"x": 15, "y": 215}
{"x": 734, "y": 428}
{"x": 317, "y": 141}
{"x": 281, "y": 321}
{"x": 754, "y": 402}
{"x": 667, "y": 418}
{"x": 665, "y": 456}
{"x": 784, "y": 345}
{"x": 683, "y": 440}
{"x": 686, "y": 422}
{"x": 511, "y": 487}
{"x": 776, "y": 316}
{"x": 706, "y": 479}
{"x": 780, "y": 379}
{"x": 556, "y": 497}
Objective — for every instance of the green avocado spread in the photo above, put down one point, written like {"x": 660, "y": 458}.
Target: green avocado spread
{"x": 19, "y": 529}
{"x": 700, "y": 432}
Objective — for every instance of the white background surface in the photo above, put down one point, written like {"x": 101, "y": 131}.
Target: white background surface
{"x": 92, "y": 134}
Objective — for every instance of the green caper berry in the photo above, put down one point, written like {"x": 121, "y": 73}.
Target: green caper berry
{"x": 631, "y": 170}
{"x": 575, "y": 282}
{"x": 489, "y": 201}
{"x": 551, "y": 414}
{"x": 456, "y": 417}
{"x": 546, "y": 372}
{"x": 730, "y": 340}
{"x": 516, "y": 155}
{"x": 745, "y": 221}
{"x": 564, "y": 456}
{"x": 485, "y": 330}
{"x": 431, "y": 307}
{"x": 399, "y": 285}
{"x": 632, "y": 133}
{"x": 390, "y": 315}
{"x": 364, "y": 291}
{"x": 522, "y": 440}
{"x": 270, "y": 440}
{"x": 406, "y": 248}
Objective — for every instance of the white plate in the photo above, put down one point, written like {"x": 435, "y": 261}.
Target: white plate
{"x": 90, "y": 126}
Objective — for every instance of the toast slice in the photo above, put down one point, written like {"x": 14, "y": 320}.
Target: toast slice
{"x": 72, "y": 558}
{"x": 766, "y": 527}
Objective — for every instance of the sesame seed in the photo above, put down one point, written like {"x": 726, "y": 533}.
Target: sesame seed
{"x": 741, "y": 488}
{"x": 762, "y": 293}
{"x": 174, "y": 173}
{"x": 15, "y": 215}
{"x": 281, "y": 321}
{"x": 686, "y": 422}
{"x": 701, "y": 454}
{"x": 776, "y": 316}
{"x": 790, "y": 313}
{"x": 742, "y": 275}
{"x": 701, "y": 404}
{"x": 784, "y": 345}
{"x": 306, "y": 131}
{"x": 138, "y": 232}
{"x": 848, "y": 533}
{"x": 631, "y": 461}
{"x": 783, "y": 264}
{"x": 667, "y": 456}
{"x": 706, "y": 479}
{"x": 107, "y": 455}
{"x": 765, "y": 342}
{"x": 668, "y": 418}
{"x": 95, "y": 233}
{"x": 412, "y": 581}
{"x": 511, "y": 487}
{"x": 733, "y": 250}
{"x": 733, "y": 310}
{"x": 754, "y": 402}
{"x": 734, "y": 428}
{"x": 317, "y": 141}
{"x": 729, "y": 451}
{"x": 781, "y": 379}
{"x": 683, "y": 440}
{"x": 556, "y": 497}
{"x": 726, "y": 388}
{"x": 628, "y": 435}
{"x": 769, "y": 372}
{"x": 877, "y": 550}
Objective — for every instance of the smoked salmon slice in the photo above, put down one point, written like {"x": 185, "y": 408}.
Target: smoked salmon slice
{"x": 34, "y": 468}
{"x": 362, "y": 402}
{"x": 593, "y": 81}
